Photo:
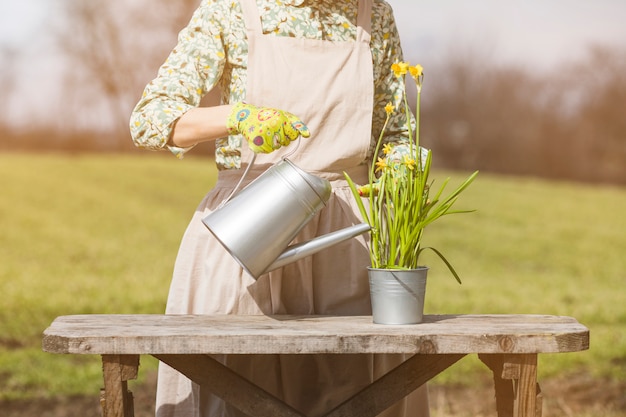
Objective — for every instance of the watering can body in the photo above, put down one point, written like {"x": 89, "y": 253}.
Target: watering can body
{"x": 258, "y": 223}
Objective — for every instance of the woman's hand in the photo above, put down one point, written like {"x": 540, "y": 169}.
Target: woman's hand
{"x": 265, "y": 129}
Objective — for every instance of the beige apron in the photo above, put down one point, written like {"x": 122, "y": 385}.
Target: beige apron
{"x": 330, "y": 86}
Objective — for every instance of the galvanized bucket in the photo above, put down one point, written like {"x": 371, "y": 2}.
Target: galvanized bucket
{"x": 397, "y": 295}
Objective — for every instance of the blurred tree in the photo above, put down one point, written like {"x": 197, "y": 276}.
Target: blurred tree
{"x": 8, "y": 78}
{"x": 484, "y": 116}
{"x": 567, "y": 125}
{"x": 112, "y": 49}
{"x": 600, "y": 124}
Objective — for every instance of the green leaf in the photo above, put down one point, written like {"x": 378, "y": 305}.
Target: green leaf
{"x": 357, "y": 198}
{"x": 448, "y": 264}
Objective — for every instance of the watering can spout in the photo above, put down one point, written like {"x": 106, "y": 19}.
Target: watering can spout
{"x": 257, "y": 225}
{"x": 301, "y": 250}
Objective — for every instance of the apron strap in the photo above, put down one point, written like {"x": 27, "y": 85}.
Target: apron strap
{"x": 252, "y": 18}
{"x": 364, "y": 22}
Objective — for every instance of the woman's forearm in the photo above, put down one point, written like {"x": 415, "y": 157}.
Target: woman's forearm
{"x": 200, "y": 125}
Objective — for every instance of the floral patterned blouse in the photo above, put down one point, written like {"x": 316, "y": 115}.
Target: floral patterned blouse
{"x": 212, "y": 52}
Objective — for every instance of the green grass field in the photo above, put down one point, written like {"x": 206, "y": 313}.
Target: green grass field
{"x": 99, "y": 234}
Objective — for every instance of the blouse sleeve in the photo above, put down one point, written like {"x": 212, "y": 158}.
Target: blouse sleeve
{"x": 191, "y": 70}
{"x": 388, "y": 87}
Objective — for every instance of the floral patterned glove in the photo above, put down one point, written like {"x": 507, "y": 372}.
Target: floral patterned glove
{"x": 394, "y": 155}
{"x": 265, "y": 129}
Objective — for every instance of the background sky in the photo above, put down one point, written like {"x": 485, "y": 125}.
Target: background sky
{"x": 543, "y": 31}
{"x": 538, "y": 34}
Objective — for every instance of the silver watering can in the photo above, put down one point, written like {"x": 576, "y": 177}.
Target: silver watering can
{"x": 259, "y": 222}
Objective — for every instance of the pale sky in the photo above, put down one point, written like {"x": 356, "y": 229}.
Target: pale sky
{"x": 21, "y": 20}
{"x": 538, "y": 30}
{"x": 540, "y": 34}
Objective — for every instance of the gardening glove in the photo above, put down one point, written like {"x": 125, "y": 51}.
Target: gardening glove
{"x": 265, "y": 129}
{"x": 394, "y": 155}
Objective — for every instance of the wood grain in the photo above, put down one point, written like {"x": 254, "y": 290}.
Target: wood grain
{"x": 231, "y": 334}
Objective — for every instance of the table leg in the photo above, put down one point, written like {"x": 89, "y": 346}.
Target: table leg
{"x": 229, "y": 385}
{"x": 395, "y": 385}
{"x": 252, "y": 400}
{"x": 116, "y": 400}
{"x": 515, "y": 378}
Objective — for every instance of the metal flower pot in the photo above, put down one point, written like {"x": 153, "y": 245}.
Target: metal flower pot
{"x": 397, "y": 295}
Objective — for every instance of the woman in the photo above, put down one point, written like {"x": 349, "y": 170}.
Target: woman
{"x": 328, "y": 62}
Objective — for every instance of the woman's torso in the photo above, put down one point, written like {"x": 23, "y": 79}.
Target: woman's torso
{"x": 333, "y": 21}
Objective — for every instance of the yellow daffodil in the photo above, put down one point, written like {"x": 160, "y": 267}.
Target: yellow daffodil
{"x": 400, "y": 68}
{"x": 381, "y": 164}
{"x": 416, "y": 72}
{"x": 409, "y": 162}
{"x": 387, "y": 148}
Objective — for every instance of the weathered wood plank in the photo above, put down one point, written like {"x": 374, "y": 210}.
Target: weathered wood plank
{"x": 526, "y": 386}
{"x": 515, "y": 381}
{"x": 188, "y": 334}
{"x": 503, "y": 384}
{"x": 117, "y": 400}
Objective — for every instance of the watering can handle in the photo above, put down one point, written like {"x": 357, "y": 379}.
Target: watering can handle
{"x": 245, "y": 173}
{"x": 227, "y": 199}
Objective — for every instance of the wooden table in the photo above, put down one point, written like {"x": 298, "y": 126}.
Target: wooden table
{"x": 507, "y": 344}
